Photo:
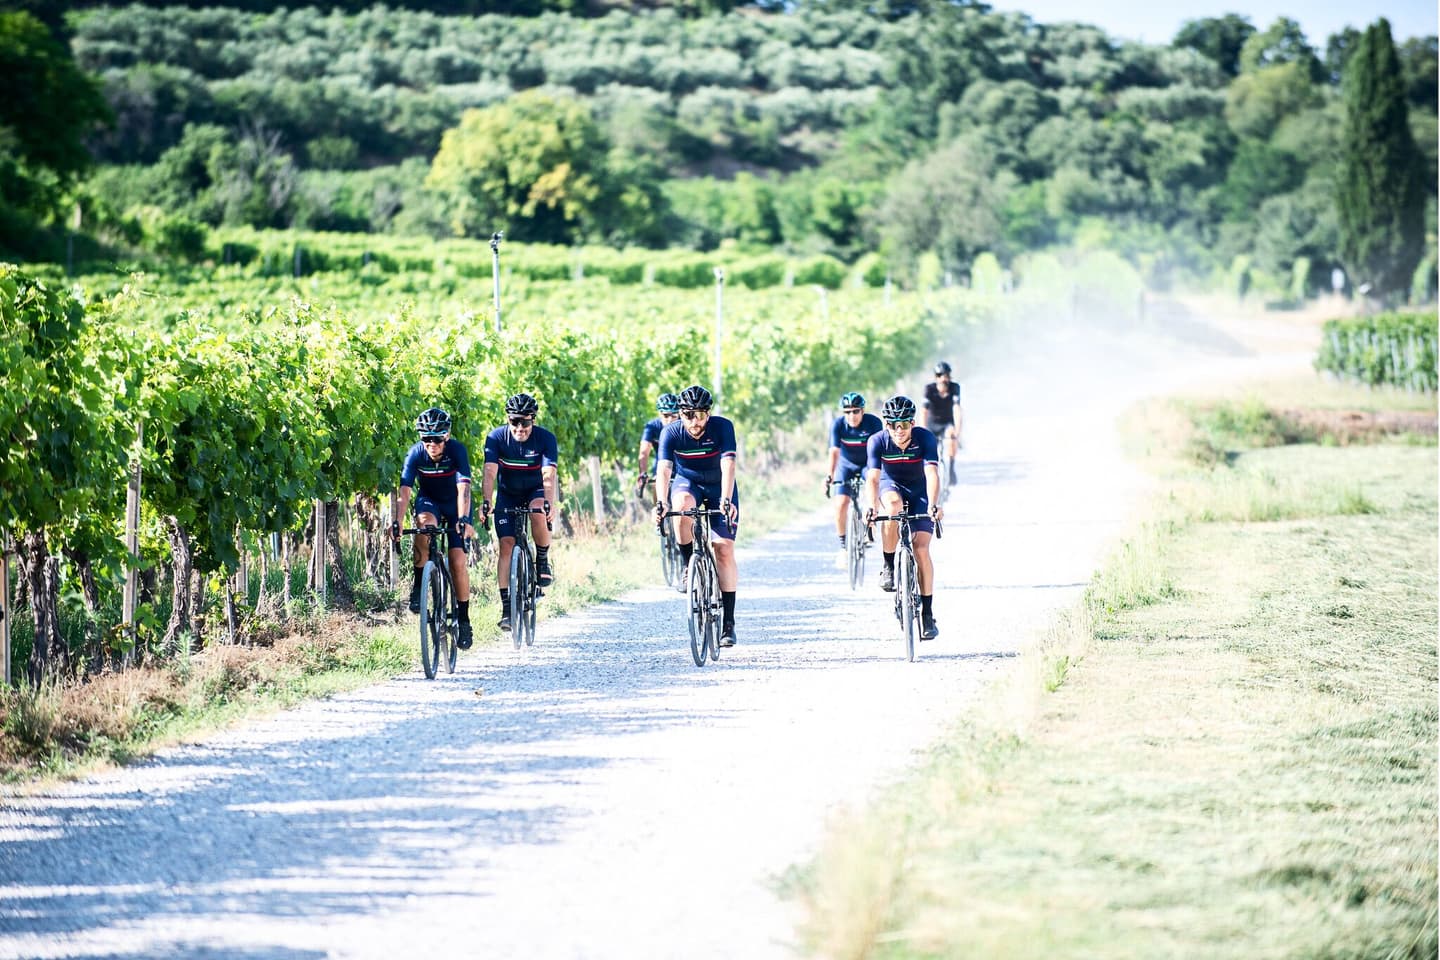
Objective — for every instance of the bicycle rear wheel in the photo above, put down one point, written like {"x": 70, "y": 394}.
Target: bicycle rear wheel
{"x": 452, "y": 622}
{"x": 717, "y": 611}
{"x": 697, "y": 584}
{"x": 432, "y": 619}
{"x": 908, "y": 598}
{"x": 518, "y": 589}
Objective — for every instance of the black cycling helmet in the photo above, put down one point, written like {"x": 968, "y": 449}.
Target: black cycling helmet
{"x": 667, "y": 403}
{"x": 521, "y": 405}
{"x": 433, "y": 422}
{"x": 852, "y": 399}
{"x": 942, "y": 367}
{"x": 897, "y": 409}
{"x": 695, "y": 397}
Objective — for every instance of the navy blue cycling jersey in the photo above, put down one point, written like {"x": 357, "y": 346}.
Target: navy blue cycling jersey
{"x": 697, "y": 459}
{"x": 437, "y": 478}
{"x": 851, "y": 440}
{"x": 651, "y": 433}
{"x": 904, "y": 468}
{"x": 520, "y": 463}
{"x": 940, "y": 410}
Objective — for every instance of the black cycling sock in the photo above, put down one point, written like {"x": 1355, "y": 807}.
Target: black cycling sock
{"x": 842, "y": 539}
{"x": 464, "y": 611}
{"x": 504, "y": 601}
{"x": 542, "y": 554}
{"x": 925, "y": 600}
{"x": 889, "y": 561}
{"x": 727, "y": 599}
{"x": 686, "y": 549}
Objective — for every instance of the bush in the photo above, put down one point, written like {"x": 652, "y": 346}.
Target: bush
{"x": 1395, "y": 349}
{"x": 822, "y": 270}
{"x": 178, "y": 236}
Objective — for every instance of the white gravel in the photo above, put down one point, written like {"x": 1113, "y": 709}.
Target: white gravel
{"x": 597, "y": 796}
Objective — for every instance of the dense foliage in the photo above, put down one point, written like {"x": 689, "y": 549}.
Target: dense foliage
{"x": 1388, "y": 349}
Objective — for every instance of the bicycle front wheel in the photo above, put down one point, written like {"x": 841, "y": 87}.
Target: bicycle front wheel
{"x": 697, "y": 588}
{"x": 717, "y": 611}
{"x": 669, "y": 554}
{"x": 855, "y": 547}
{"x": 908, "y": 597}
{"x": 519, "y": 586}
{"x": 432, "y": 619}
{"x": 531, "y": 597}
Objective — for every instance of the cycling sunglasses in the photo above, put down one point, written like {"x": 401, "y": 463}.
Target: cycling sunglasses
{"x": 433, "y": 438}
{"x": 522, "y": 421}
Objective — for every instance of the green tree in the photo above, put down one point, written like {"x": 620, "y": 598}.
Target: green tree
{"x": 533, "y": 164}
{"x": 1219, "y": 38}
{"x": 45, "y": 112}
{"x": 1380, "y": 191}
{"x": 1281, "y": 42}
{"x": 1257, "y": 101}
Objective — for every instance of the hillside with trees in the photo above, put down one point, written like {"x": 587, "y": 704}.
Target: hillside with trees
{"x": 837, "y": 129}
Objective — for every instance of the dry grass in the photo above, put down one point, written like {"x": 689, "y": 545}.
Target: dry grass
{"x": 1243, "y": 767}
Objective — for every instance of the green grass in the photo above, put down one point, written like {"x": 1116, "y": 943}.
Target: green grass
{"x": 1237, "y": 761}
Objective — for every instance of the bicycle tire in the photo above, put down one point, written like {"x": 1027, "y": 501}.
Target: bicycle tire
{"x": 697, "y": 590}
{"x": 531, "y": 597}
{"x": 715, "y": 622}
{"x": 432, "y": 620}
{"x": 669, "y": 556}
{"x": 905, "y": 595}
{"x": 517, "y": 593}
{"x": 453, "y": 622}
{"x": 855, "y": 547}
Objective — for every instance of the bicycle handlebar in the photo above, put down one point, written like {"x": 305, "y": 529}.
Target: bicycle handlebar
{"x": 905, "y": 516}
{"x": 693, "y": 512}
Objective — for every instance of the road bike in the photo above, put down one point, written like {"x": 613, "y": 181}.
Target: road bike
{"x": 672, "y": 562}
{"x": 702, "y": 587}
{"x": 439, "y": 609}
{"x": 907, "y": 580}
{"x": 524, "y": 587}
{"x": 857, "y": 534}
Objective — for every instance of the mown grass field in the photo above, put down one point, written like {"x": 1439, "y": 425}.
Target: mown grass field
{"x": 1237, "y": 755}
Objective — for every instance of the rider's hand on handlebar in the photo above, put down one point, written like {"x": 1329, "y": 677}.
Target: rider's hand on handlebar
{"x": 549, "y": 524}
{"x": 829, "y": 481}
{"x": 659, "y": 512}
{"x": 729, "y": 509}
{"x": 485, "y": 514}
{"x": 936, "y": 511}
{"x": 870, "y": 514}
{"x": 395, "y": 530}
{"x": 640, "y": 482}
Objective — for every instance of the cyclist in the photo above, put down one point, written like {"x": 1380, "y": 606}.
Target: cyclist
{"x": 441, "y": 465}
{"x": 696, "y": 464}
{"x": 848, "y": 436}
{"x": 904, "y": 477}
{"x": 521, "y": 459}
{"x": 667, "y": 405}
{"x": 943, "y": 413}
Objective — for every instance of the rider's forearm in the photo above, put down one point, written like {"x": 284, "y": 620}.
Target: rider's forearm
{"x": 644, "y": 455}
{"x": 462, "y": 500}
{"x": 932, "y": 484}
{"x": 662, "y": 481}
{"x": 834, "y": 461}
{"x": 548, "y": 478}
{"x": 727, "y": 478}
{"x": 402, "y": 503}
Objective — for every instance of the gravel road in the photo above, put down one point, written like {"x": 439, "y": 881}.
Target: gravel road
{"x": 598, "y": 795}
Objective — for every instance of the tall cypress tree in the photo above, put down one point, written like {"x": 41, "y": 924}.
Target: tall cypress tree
{"x": 1380, "y": 191}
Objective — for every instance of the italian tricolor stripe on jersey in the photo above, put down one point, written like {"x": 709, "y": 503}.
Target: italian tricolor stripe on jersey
{"x": 519, "y": 464}
{"x": 693, "y": 454}
{"x": 854, "y": 443}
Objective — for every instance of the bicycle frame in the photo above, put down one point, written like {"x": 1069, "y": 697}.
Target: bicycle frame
{"x": 907, "y": 581}
{"x": 703, "y": 587}
{"x": 857, "y": 536}
{"x": 439, "y": 629}
{"x": 524, "y": 588}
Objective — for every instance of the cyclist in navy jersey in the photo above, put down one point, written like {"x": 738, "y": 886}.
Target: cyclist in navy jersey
{"x": 903, "y": 464}
{"x": 521, "y": 461}
{"x": 696, "y": 465}
{"x": 667, "y": 405}
{"x": 441, "y": 467}
{"x": 942, "y": 414}
{"x": 848, "y": 436}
